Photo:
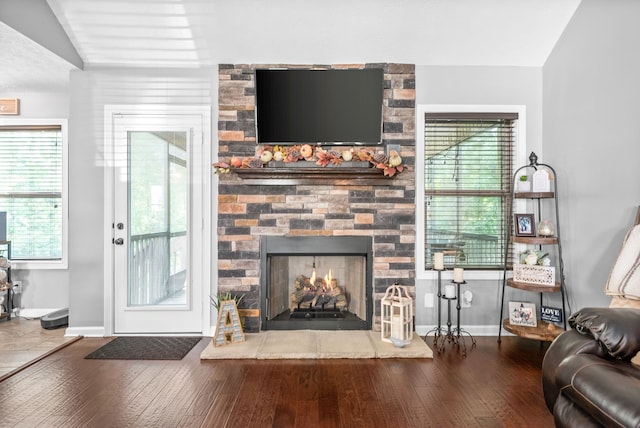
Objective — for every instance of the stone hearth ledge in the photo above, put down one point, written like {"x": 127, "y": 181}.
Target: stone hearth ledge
{"x": 315, "y": 344}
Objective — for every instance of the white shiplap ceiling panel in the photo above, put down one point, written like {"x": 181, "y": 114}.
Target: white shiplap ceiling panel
{"x": 197, "y": 33}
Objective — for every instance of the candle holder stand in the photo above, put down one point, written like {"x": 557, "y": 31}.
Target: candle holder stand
{"x": 450, "y": 334}
{"x": 439, "y": 332}
{"x": 456, "y": 335}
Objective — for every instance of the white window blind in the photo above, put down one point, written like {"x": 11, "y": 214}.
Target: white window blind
{"x": 31, "y": 191}
{"x": 468, "y": 169}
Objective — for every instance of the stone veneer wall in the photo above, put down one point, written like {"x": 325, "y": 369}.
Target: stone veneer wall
{"x": 246, "y": 212}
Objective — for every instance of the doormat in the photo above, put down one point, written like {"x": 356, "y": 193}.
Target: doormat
{"x": 145, "y": 348}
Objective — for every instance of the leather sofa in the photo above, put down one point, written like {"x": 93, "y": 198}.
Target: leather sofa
{"x": 588, "y": 377}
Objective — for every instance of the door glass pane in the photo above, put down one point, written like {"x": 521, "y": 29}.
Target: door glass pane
{"x": 157, "y": 218}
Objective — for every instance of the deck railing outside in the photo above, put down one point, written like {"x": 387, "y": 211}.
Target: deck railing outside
{"x": 150, "y": 268}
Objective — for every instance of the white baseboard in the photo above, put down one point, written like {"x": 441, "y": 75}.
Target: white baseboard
{"x": 421, "y": 330}
{"x": 85, "y": 331}
{"x": 474, "y": 330}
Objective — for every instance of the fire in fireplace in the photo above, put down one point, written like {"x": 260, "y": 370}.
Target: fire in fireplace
{"x": 317, "y": 296}
{"x": 322, "y": 283}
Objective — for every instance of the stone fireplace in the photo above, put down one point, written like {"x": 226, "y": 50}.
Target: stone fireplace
{"x": 380, "y": 209}
{"x": 316, "y": 282}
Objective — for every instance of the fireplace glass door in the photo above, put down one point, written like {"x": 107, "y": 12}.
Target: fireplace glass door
{"x": 306, "y": 290}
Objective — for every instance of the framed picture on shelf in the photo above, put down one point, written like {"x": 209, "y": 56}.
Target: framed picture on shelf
{"x": 522, "y": 313}
{"x": 525, "y": 225}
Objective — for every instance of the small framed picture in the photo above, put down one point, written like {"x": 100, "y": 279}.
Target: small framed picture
{"x": 525, "y": 225}
{"x": 522, "y": 313}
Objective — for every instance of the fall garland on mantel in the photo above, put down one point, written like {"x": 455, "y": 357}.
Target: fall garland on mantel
{"x": 391, "y": 164}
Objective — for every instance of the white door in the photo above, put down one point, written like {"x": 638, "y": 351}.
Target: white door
{"x": 157, "y": 228}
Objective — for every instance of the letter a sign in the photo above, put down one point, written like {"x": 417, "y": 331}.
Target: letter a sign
{"x": 228, "y": 329}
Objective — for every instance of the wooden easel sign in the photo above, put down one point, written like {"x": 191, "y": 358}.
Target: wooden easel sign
{"x": 9, "y": 106}
{"x": 228, "y": 328}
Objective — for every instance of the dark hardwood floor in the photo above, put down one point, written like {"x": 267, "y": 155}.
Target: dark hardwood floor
{"x": 494, "y": 386}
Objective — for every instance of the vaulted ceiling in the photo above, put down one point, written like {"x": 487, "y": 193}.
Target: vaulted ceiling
{"x": 202, "y": 33}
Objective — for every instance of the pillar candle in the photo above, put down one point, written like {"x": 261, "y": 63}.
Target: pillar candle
{"x": 396, "y": 327}
{"x": 457, "y": 275}
{"x": 449, "y": 291}
{"x": 438, "y": 261}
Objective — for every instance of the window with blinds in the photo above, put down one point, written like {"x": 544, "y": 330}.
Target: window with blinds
{"x": 467, "y": 183}
{"x": 32, "y": 190}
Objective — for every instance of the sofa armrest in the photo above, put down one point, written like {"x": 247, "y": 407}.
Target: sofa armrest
{"x": 568, "y": 343}
{"x": 617, "y": 330}
{"x": 608, "y": 390}
{"x": 567, "y": 414}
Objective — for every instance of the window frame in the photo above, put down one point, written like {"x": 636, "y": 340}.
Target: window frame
{"x": 519, "y": 159}
{"x": 63, "y": 262}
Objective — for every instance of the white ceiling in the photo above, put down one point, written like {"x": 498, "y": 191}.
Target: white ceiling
{"x": 202, "y": 33}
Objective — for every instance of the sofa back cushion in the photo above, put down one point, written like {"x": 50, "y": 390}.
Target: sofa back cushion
{"x": 624, "y": 279}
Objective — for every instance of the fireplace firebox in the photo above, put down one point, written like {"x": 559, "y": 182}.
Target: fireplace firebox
{"x": 316, "y": 282}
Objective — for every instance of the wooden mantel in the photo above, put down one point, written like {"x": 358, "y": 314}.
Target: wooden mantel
{"x": 339, "y": 176}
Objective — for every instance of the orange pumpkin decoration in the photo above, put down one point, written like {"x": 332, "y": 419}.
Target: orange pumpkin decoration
{"x": 306, "y": 151}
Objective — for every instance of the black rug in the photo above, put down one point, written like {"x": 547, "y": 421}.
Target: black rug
{"x": 145, "y": 348}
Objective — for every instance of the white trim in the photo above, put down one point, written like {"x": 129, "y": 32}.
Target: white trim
{"x": 205, "y": 172}
{"x": 108, "y": 216}
{"x": 211, "y": 315}
{"x": 86, "y": 332}
{"x": 63, "y": 263}
{"x": 520, "y": 159}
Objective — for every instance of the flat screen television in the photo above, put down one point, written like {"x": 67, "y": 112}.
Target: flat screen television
{"x": 298, "y": 106}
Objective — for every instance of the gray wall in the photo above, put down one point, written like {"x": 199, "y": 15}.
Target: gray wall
{"x": 480, "y": 86}
{"x": 42, "y": 288}
{"x": 582, "y": 112}
{"x": 90, "y": 92}
{"x": 591, "y": 112}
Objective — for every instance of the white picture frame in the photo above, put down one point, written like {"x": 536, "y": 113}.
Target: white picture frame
{"x": 523, "y": 314}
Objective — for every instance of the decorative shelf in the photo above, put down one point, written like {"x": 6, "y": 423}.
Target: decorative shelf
{"x": 535, "y": 240}
{"x": 543, "y": 331}
{"x": 340, "y": 176}
{"x": 536, "y": 279}
{"x": 533, "y": 195}
{"x": 527, "y": 286}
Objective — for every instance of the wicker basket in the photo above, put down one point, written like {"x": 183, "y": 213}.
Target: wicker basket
{"x": 542, "y": 275}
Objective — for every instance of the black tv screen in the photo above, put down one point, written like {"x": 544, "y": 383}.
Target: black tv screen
{"x": 296, "y": 106}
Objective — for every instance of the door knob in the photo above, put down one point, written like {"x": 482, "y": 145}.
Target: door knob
{"x": 119, "y": 241}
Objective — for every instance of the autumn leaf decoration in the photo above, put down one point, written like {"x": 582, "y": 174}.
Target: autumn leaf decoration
{"x": 391, "y": 164}
{"x": 221, "y": 167}
{"x": 326, "y": 157}
{"x": 394, "y": 164}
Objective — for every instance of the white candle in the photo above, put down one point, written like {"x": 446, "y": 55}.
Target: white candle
{"x": 450, "y": 291}
{"x": 457, "y": 275}
{"x": 438, "y": 261}
{"x": 396, "y": 327}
